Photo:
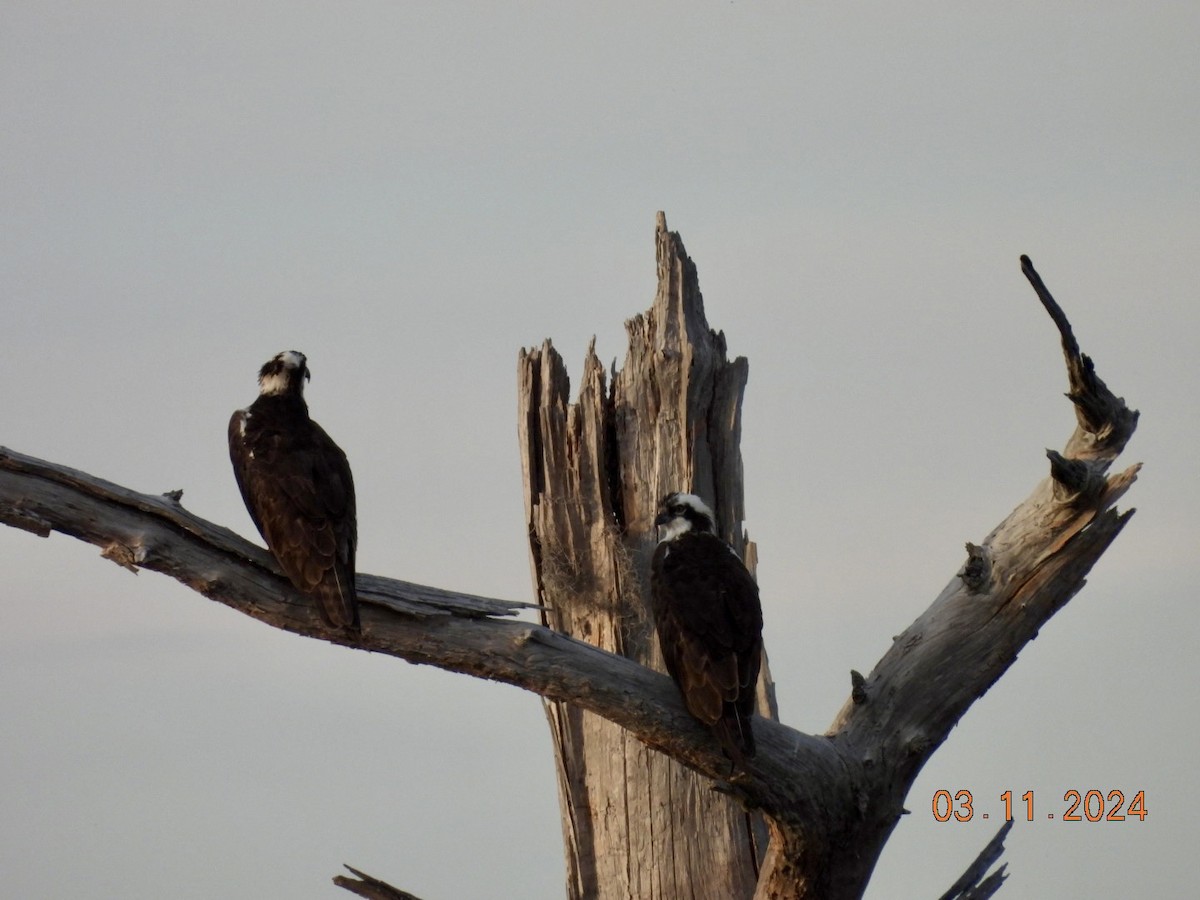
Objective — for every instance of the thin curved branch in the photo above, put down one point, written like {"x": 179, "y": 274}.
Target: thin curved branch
{"x": 973, "y": 885}
{"x": 372, "y": 888}
{"x": 1105, "y": 422}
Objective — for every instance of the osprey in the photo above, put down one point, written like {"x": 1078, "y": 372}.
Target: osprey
{"x": 298, "y": 489}
{"x": 709, "y": 621}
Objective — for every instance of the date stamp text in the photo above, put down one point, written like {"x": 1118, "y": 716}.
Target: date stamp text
{"x": 1077, "y": 806}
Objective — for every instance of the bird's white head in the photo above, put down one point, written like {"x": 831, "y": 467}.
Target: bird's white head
{"x": 283, "y": 373}
{"x": 680, "y": 513}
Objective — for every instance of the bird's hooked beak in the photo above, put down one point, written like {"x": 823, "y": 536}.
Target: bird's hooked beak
{"x": 661, "y": 521}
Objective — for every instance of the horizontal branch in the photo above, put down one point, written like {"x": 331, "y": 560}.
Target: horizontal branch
{"x": 156, "y": 532}
{"x": 425, "y": 625}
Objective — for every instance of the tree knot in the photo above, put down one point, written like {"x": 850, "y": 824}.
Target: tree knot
{"x": 976, "y": 572}
{"x": 858, "y": 687}
{"x": 1077, "y": 482}
{"x": 124, "y": 556}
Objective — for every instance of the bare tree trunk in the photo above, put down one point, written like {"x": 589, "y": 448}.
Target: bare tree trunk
{"x": 636, "y": 825}
{"x": 594, "y": 473}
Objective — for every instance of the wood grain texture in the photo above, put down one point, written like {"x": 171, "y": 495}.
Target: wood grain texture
{"x": 635, "y": 822}
{"x": 830, "y": 801}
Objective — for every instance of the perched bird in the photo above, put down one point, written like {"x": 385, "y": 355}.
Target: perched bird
{"x": 298, "y": 489}
{"x": 709, "y": 620}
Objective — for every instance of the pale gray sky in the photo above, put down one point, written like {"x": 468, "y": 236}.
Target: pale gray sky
{"x": 409, "y": 194}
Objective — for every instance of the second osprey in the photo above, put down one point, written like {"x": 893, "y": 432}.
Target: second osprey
{"x": 709, "y": 621}
{"x": 298, "y": 489}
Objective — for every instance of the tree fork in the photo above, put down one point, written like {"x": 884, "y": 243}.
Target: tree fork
{"x": 830, "y": 801}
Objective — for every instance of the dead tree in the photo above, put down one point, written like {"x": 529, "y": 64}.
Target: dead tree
{"x": 636, "y": 773}
{"x": 594, "y": 474}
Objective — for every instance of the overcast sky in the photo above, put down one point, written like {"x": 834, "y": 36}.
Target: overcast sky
{"x": 410, "y": 193}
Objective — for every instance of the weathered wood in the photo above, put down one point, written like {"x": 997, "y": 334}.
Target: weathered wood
{"x": 976, "y": 883}
{"x": 424, "y": 625}
{"x": 155, "y": 531}
{"x": 590, "y": 479}
{"x": 830, "y": 801}
{"x": 1022, "y": 573}
{"x": 372, "y": 888}
{"x": 595, "y": 471}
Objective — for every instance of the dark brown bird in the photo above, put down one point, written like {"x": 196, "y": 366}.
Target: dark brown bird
{"x": 298, "y": 489}
{"x": 709, "y": 621}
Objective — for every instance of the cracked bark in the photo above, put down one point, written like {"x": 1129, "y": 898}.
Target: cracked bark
{"x": 830, "y": 801}
{"x": 635, "y": 823}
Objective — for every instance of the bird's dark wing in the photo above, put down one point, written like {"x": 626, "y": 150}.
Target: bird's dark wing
{"x": 239, "y": 455}
{"x": 300, "y": 493}
{"x": 709, "y": 619}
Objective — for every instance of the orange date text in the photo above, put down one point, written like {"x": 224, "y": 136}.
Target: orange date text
{"x": 1077, "y": 806}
